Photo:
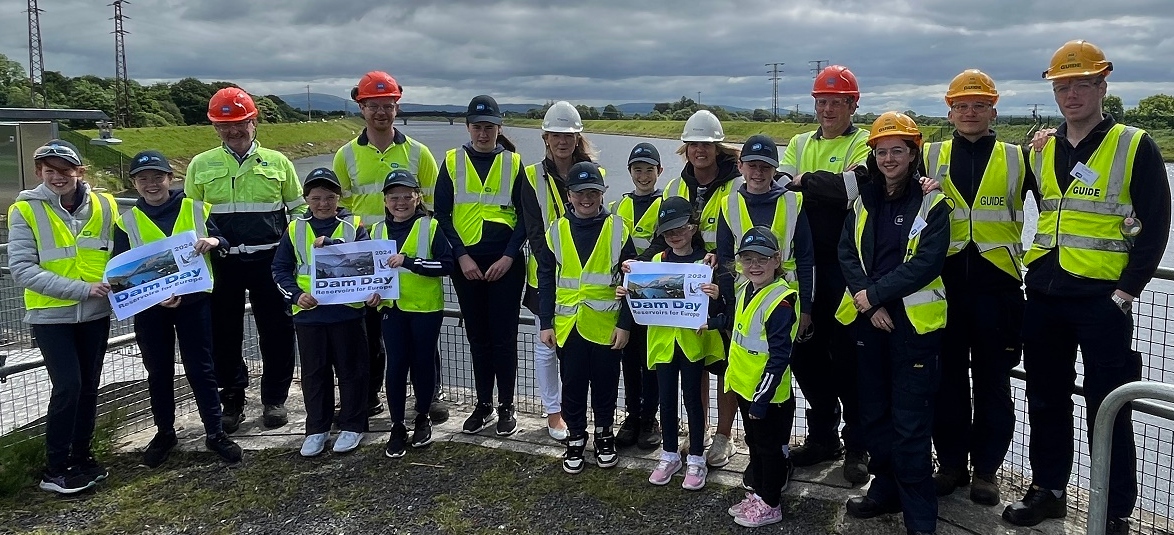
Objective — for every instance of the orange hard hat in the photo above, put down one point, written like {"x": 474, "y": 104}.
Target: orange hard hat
{"x": 892, "y": 123}
{"x": 231, "y": 104}
{"x": 972, "y": 83}
{"x": 836, "y": 80}
{"x": 376, "y": 84}
{"x": 1078, "y": 58}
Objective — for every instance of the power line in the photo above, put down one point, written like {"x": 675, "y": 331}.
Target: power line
{"x": 819, "y": 65}
{"x": 774, "y": 77}
{"x": 36, "y": 57}
{"x": 121, "y": 81}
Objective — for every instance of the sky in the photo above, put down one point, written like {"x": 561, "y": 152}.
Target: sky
{"x": 595, "y": 52}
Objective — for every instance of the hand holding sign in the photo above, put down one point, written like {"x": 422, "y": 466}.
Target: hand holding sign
{"x": 668, "y": 294}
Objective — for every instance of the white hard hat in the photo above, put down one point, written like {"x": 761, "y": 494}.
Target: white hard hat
{"x": 562, "y": 117}
{"x": 703, "y": 126}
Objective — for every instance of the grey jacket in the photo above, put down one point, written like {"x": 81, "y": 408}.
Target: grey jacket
{"x": 24, "y": 262}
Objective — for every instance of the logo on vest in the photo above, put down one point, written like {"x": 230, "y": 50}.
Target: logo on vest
{"x": 395, "y": 165}
{"x": 1084, "y": 190}
{"x": 834, "y": 159}
{"x": 992, "y": 201}
{"x": 899, "y": 220}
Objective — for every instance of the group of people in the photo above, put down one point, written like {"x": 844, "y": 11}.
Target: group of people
{"x": 840, "y": 260}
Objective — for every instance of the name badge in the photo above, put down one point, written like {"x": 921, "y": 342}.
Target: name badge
{"x": 918, "y": 225}
{"x": 1084, "y": 174}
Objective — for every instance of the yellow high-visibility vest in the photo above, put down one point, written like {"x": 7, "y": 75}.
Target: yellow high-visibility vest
{"x": 80, "y": 256}
{"x": 585, "y": 296}
{"x": 749, "y": 347}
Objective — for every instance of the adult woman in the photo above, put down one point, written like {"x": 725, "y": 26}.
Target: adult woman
{"x": 478, "y": 204}
{"x": 891, "y": 251}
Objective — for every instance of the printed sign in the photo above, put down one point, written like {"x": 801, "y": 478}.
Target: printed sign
{"x": 668, "y": 294}
{"x": 150, "y": 274}
{"x": 351, "y": 272}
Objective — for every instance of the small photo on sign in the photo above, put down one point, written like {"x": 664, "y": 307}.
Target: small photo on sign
{"x": 146, "y": 270}
{"x": 656, "y": 286}
{"x": 344, "y": 265}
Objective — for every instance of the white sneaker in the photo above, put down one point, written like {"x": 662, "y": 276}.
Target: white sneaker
{"x": 556, "y": 433}
{"x": 719, "y": 453}
{"x": 314, "y": 444}
{"x": 347, "y": 441}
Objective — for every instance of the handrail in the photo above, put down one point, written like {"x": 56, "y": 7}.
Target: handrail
{"x": 1102, "y": 442}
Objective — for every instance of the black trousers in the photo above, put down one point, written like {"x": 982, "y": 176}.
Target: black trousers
{"x": 587, "y": 365}
{"x": 1053, "y": 327}
{"x": 898, "y": 377}
{"x": 73, "y": 357}
{"x": 690, "y": 375}
{"x": 412, "y": 338}
{"x": 377, "y": 357}
{"x": 275, "y": 331}
{"x": 981, "y": 344}
{"x": 825, "y": 366}
{"x": 326, "y": 350}
{"x": 640, "y": 384}
{"x": 491, "y": 311}
{"x": 156, "y": 330}
{"x": 765, "y": 438}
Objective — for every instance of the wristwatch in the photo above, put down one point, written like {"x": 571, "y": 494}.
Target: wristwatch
{"x": 1122, "y": 303}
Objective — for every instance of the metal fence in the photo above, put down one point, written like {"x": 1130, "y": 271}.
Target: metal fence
{"x": 25, "y": 388}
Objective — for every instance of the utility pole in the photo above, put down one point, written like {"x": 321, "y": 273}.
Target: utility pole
{"x": 36, "y": 58}
{"x": 121, "y": 83}
{"x": 698, "y": 99}
{"x": 774, "y": 77}
{"x": 819, "y": 65}
{"x": 309, "y": 109}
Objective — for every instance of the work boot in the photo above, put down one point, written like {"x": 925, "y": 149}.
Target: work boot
{"x": 984, "y": 490}
{"x": 865, "y": 507}
{"x": 650, "y": 434}
{"x": 231, "y": 415}
{"x": 274, "y": 415}
{"x": 1036, "y": 506}
{"x": 629, "y": 430}
{"x": 948, "y": 479}
{"x": 814, "y": 451}
{"x": 1117, "y": 526}
{"x": 856, "y": 467}
{"x": 223, "y": 446}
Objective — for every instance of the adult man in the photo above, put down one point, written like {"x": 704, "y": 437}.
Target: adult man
{"x": 824, "y": 359}
{"x": 251, "y": 190}
{"x": 361, "y": 165}
{"x": 985, "y": 179}
{"x": 1103, "y": 228}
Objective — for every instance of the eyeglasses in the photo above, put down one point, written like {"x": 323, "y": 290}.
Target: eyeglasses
{"x": 967, "y": 107}
{"x": 322, "y": 200}
{"x": 831, "y": 103}
{"x": 229, "y": 127}
{"x": 896, "y": 152}
{"x": 761, "y": 261}
{"x": 1082, "y": 87}
{"x": 386, "y": 108}
{"x": 400, "y": 198}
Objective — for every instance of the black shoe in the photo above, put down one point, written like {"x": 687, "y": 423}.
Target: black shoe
{"x": 396, "y": 445}
{"x": 89, "y": 466}
{"x": 629, "y": 431}
{"x": 813, "y": 452}
{"x": 650, "y": 436}
{"x": 605, "y": 448}
{"x": 1035, "y": 507}
{"x": 68, "y": 481}
{"x": 422, "y": 432}
{"x": 231, "y": 417}
{"x": 948, "y": 479}
{"x": 438, "y": 411}
{"x": 223, "y": 446}
{"x": 480, "y": 419}
{"x": 1117, "y": 526}
{"x": 788, "y": 473}
{"x": 856, "y": 467}
{"x": 573, "y": 458}
{"x": 274, "y": 416}
{"x": 374, "y": 409}
{"x": 507, "y": 424}
{"x": 984, "y": 490}
{"x": 865, "y": 507}
{"x": 159, "y": 449}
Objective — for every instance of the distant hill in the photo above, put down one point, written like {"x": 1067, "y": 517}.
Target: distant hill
{"x": 324, "y": 102}
{"x": 644, "y": 108}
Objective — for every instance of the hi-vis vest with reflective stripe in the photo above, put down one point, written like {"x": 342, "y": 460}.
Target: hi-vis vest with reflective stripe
{"x": 782, "y": 225}
{"x": 851, "y": 151}
{"x": 749, "y": 347}
{"x": 302, "y": 237}
{"x": 643, "y": 230}
{"x": 585, "y": 298}
{"x": 662, "y": 341}
{"x": 140, "y": 230}
{"x": 367, "y": 167}
{"x": 477, "y": 200}
{"x": 1085, "y": 220}
{"x": 80, "y": 256}
{"x": 995, "y": 222}
{"x": 551, "y": 205}
{"x": 418, "y": 293}
{"x": 713, "y": 206}
{"x": 926, "y": 308}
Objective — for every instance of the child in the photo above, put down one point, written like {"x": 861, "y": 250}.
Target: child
{"x": 759, "y": 371}
{"x": 676, "y": 352}
{"x": 160, "y": 213}
{"x": 411, "y": 324}
{"x": 331, "y": 338}
{"x": 639, "y": 210}
{"x": 579, "y": 313}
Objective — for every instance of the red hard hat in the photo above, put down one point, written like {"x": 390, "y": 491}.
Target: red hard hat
{"x": 376, "y": 84}
{"x": 231, "y": 104}
{"x": 836, "y": 80}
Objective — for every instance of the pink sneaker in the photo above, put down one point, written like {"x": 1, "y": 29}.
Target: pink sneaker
{"x": 739, "y": 508}
{"x": 669, "y": 464}
{"x": 759, "y": 514}
{"x": 695, "y": 474}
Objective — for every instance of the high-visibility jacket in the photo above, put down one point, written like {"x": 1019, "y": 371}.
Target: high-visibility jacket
{"x": 803, "y": 154}
{"x": 995, "y": 222}
{"x": 662, "y": 341}
{"x": 926, "y": 308}
{"x": 550, "y": 203}
{"x": 476, "y": 199}
{"x": 140, "y": 230}
{"x": 584, "y": 297}
{"x": 301, "y": 236}
{"x": 417, "y": 293}
{"x": 1084, "y": 221}
{"x": 643, "y": 230}
{"x": 361, "y": 168}
{"x": 80, "y": 256}
{"x": 749, "y": 347}
{"x": 786, "y": 218}
{"x": 712, "y": 209}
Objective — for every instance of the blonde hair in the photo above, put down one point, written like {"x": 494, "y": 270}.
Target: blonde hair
{"x": 584, "y": 152}
{"x": 723, "y": 149}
